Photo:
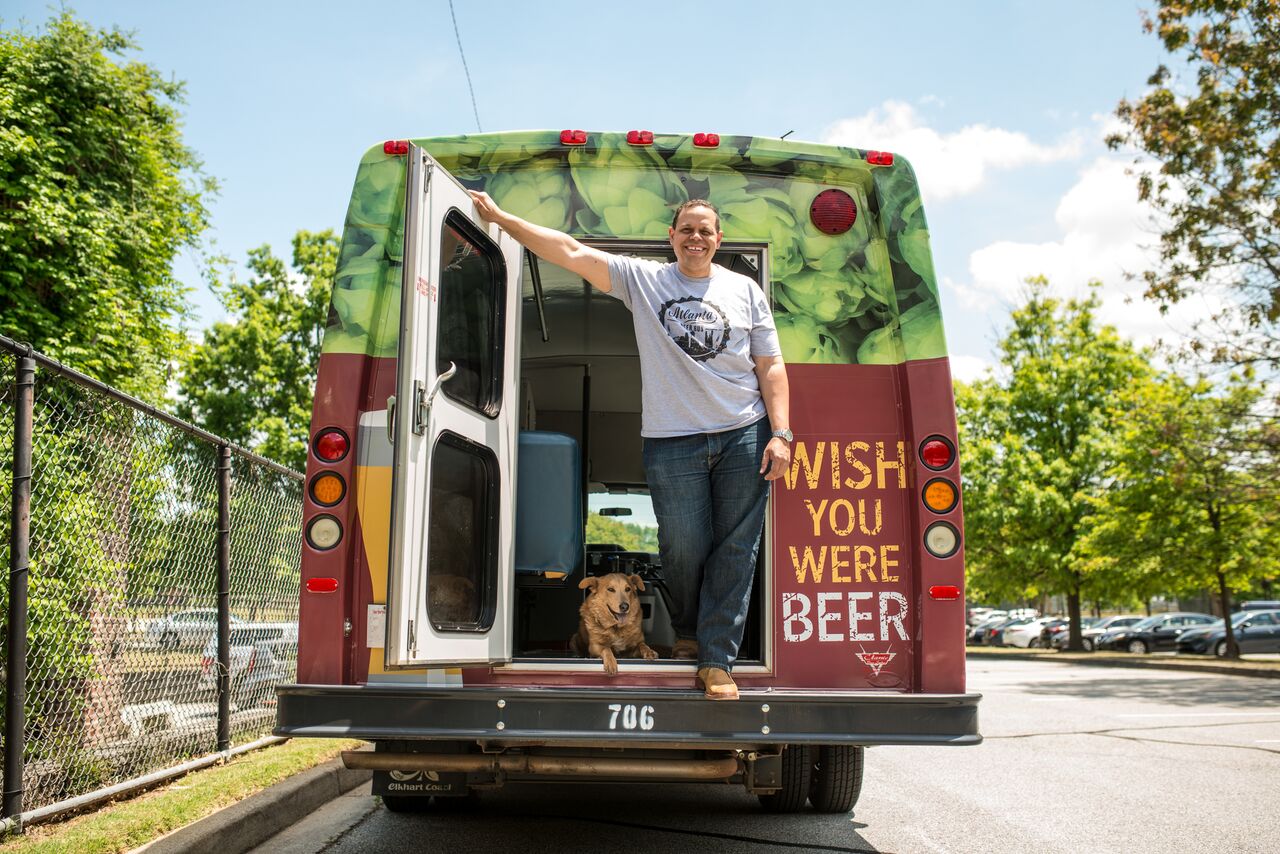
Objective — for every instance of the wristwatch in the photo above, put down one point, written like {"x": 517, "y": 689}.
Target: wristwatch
{"x": 785, "y": 435}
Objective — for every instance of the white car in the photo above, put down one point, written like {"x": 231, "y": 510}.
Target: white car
{"x": 188, "y": 628}
{"x": 1026, "y": 635}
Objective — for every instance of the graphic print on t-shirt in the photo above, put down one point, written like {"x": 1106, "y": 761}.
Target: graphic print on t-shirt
{"x": 698, "y": 327}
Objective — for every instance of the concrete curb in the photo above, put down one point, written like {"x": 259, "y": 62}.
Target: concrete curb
{"x": 252, "y": 821}
{"x": 1104, "y": 660}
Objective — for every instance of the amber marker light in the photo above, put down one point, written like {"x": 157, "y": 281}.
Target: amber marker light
{"x": 328, "y": 489}
{"x": 939, "y": 495}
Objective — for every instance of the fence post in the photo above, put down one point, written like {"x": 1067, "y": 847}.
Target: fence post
{"x": 19, "y": 561}
{"x": 224, "y": 597}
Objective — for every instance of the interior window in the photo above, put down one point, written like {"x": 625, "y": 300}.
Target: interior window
{"x": 462, "y": 548}
{"x": 472, "y": 296}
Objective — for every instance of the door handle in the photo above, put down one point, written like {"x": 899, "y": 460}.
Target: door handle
{"x": 423, "y": 409}
{"x": 391, "y": 419}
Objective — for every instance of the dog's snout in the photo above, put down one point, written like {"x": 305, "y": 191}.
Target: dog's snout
{"x": 624, "y": 607}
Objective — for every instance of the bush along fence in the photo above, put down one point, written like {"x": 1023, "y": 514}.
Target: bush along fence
{"x": 152, "y": 599}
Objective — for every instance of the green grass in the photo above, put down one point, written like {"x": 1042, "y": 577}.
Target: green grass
{"x": 126, "y": 824}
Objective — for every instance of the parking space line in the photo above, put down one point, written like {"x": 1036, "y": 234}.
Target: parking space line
{"x": 1203, "y": 715}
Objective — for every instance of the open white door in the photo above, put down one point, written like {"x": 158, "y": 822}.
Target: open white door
{"x": 451, "y": 571}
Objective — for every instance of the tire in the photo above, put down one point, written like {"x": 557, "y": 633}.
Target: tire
{"x": 1087, "y": 643}
{"x": 1137, "y": 647}
{"x": 1034, "y": 643}
{"x": 1220, "y": 648}
{"x": 406, "y": 803}
{"x": 837, "y": 778}
{"x": 797, "y": 779}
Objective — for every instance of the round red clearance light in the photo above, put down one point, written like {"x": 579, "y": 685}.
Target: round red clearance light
{"x": 833, "y": 212}
{"x": 937, "y": 453}
{"x": 331, "y": 445}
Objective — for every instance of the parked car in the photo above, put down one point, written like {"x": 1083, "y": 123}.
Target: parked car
{"x": 1260, "y": 605}
{"x": 981, "y": 613}
{"x": 1089, "y": 633}
{"x": 1026, "y": 635}
{"x": 978, "y": 634}
{"x": 1055, "y": 627}
{"x": 1154, "y": 633}
{"x": 1254, "y": 631}
{"x": 189, "y": 628}
{"x": 258, "y": 653}
{"x": 995, "y": 634}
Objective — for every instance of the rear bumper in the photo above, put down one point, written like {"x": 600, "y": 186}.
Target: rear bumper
{"x": 623, "y": 717}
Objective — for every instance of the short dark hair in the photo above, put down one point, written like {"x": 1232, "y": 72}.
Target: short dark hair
{"x": 695, "y": 203}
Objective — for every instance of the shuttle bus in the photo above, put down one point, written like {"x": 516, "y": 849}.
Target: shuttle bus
{"x": 477, "y": 413}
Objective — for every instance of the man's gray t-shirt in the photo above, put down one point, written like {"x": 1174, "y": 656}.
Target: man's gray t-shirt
{"x": 696, "y": 338}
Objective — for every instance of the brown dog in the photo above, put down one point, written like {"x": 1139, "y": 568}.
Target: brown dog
{"x": 610, "y": 621}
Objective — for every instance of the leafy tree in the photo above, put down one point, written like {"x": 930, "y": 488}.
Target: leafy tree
{"x": 1215, "y": 136}
{"x": 97, "y": 195}
{"x": 1191, "y": 487}
{"x": 1037, "y": 443}
{"x": 253, "y": 377}
{"x": 632, "y": 537}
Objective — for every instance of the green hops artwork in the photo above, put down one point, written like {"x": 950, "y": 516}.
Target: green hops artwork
{"x": 867, "y": 295}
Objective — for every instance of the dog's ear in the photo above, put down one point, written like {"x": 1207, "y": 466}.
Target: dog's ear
{"x": 589, "y": 583}
{"x": 636, "y": 581}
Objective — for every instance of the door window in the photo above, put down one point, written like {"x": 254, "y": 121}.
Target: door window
{"x": 473, "y": 286}
{"x": 462, "y": 540}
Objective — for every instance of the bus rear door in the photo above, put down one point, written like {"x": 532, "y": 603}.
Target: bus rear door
{"x": 450, "y": 577}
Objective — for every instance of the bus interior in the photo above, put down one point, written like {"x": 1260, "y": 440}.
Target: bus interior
{"x": 580, "y": 378}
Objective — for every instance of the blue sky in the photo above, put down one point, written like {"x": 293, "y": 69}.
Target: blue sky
{"x": 1001, "y": 106}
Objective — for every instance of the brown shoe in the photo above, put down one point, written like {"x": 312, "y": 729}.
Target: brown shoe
{"x": 685, "y": 648}
{"x": 717, "y": 684}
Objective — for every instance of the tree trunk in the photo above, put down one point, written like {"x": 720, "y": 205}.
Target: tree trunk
{"x": 1224, "y": 596}
{"x": 1075, "y": 643}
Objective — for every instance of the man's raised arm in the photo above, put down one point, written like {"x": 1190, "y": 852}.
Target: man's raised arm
{"x": 547, "y": 243}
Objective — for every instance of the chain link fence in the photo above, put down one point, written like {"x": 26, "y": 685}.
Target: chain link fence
{"x": 130, "y": 513}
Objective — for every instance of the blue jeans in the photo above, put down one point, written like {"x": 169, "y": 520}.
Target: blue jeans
{"x": 709, "y": 498}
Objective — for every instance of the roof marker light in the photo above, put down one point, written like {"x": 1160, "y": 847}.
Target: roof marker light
{"x": 640, "y": 137}
{"x": 322, "y": 585}
{"x": 706, "y": 140}
{"x": 395, "y": 146}
{"x": 879, "y": 158}
{"x": 573, "y": 137}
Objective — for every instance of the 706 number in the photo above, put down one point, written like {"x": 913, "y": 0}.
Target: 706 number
{"x": 630, "y": 716}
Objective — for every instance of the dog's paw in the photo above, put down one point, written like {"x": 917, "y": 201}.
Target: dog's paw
{"x": 647, "y": 653}
{"x": 610, "y": 667}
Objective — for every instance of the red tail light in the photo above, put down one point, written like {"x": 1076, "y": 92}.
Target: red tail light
{"x": 206, "y": 663}
{"x": 706, "y": 140}
{"x": 640, "y": 137}
{"x": 253, "y": 659}
{"x": 833, "y": 212}
{"x": 331, "y": 445}
{"x": 573, "y": 137}
{"x": 395, "y": 146}
{"x": 937, "y": 453}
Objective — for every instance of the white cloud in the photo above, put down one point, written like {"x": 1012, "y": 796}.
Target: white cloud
{"x": 950, "y": 164}
{"x": 968, "y": 368}
{"x": 1105, "y": 233}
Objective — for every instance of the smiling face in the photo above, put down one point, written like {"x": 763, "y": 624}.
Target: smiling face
{"x": 695, "y": 238}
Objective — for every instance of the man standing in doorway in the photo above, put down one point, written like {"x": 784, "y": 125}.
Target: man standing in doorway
{"x": 715, "y": 417}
